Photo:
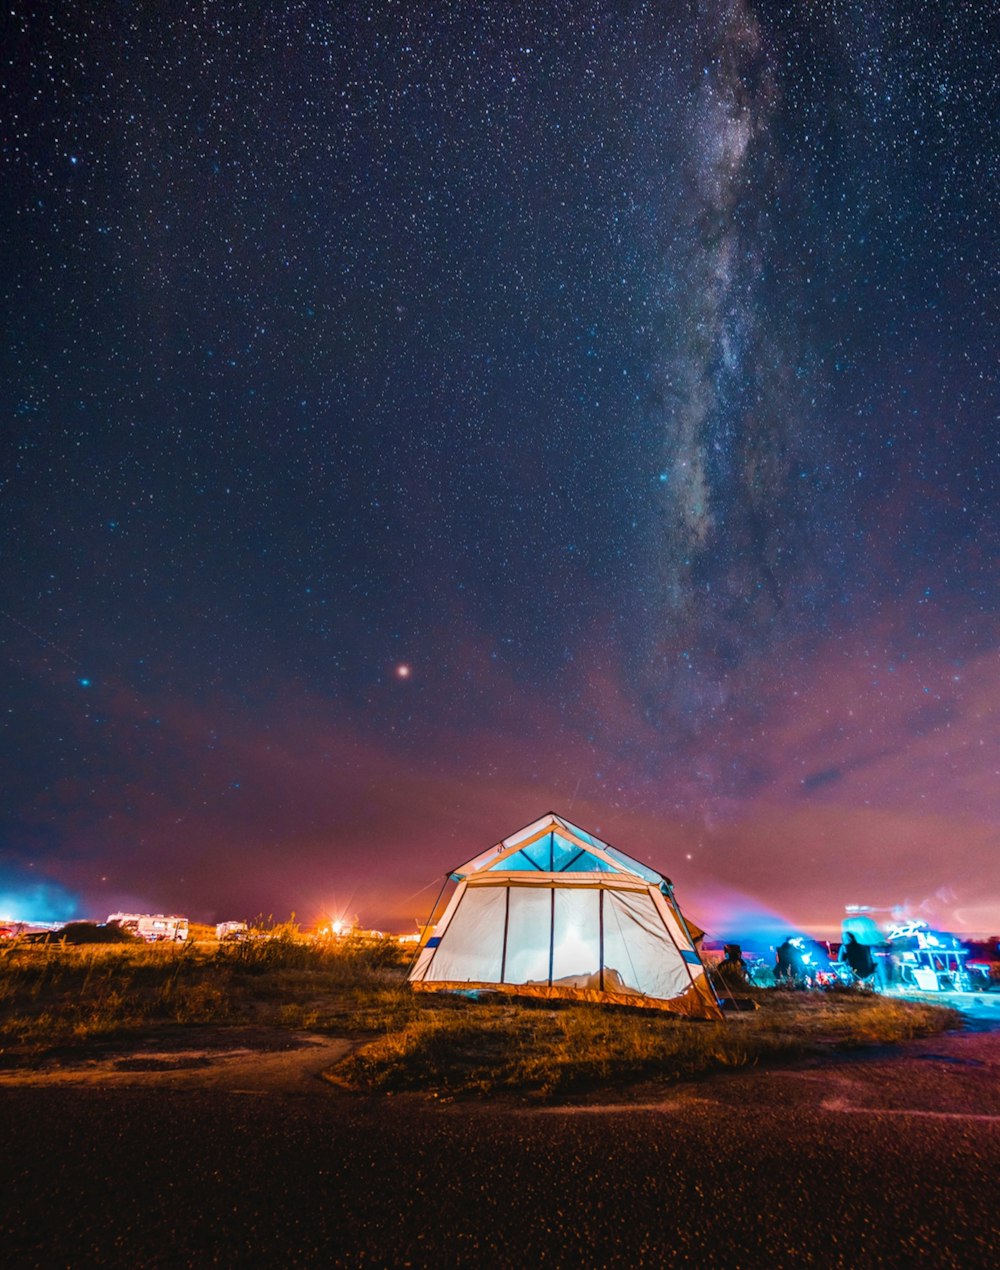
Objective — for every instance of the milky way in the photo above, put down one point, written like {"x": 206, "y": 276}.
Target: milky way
{"x": 628, "y": 374}
{"x": 731, "y": 421}
{"x": 716, "y": 323}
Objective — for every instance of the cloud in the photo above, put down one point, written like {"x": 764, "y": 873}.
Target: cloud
{"x": 28, "y": 898}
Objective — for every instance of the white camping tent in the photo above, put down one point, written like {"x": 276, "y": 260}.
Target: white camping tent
{"x": 553, "y": 911}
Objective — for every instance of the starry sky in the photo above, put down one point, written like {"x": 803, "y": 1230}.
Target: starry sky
{"x": 420, "y": 417}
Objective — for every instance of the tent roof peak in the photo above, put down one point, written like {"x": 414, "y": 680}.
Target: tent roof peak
{"x": 518, "y": 844}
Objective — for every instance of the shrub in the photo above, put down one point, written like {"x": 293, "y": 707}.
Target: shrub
{"x": 95, "y": 933}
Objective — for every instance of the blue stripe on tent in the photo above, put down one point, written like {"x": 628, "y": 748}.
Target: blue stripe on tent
{"x": 691, "y": 958}
{"x": 433, "y": 941}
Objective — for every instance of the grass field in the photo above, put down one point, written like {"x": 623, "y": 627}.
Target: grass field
{"x": 487, "y": 1048}
{"x": 54, "y": 996}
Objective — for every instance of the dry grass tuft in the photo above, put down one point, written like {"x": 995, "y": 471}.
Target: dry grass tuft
{"x": 492, "y": 1047}
{"x": 54, "y": 994}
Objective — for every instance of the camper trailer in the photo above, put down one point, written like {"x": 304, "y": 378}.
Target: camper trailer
{"x": 231, "y": 932}
{"x": 154, "y": 928}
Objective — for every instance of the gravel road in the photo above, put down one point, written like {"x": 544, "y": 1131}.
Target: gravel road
{"x": 889, "y": 1159}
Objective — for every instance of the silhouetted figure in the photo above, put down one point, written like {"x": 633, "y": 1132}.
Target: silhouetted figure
{"x": 732, "y": 968}
{"x": 788, "y": 968}
{"x": 858, "y": 957}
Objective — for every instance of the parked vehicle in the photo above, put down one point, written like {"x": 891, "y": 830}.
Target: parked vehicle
{"x": 983, "y": 964}
{"x": 231, "y": 932}
{"x": 928, "y": 960}
{"x": 154, "y": 928}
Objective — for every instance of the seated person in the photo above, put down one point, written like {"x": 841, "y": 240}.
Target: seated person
{"x": 858, "y": 957}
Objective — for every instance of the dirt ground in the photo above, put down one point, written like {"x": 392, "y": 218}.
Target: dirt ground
{"x": 225, "y": 1059}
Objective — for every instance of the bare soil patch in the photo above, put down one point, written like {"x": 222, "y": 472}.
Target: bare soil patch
{"x": 236, "y": 1060}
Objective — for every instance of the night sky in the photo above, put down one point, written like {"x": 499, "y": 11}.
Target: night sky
{"x": 421, "y": 417}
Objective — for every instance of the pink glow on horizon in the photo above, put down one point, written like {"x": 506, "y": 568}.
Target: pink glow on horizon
{"x": 846, "y": 792}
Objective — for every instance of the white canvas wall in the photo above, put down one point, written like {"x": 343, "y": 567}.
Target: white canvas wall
{"x": 470, "y": 950}
{"x": 528, "y": 935}
{"x": 532, "y": 915}
{"x": 576, "y": 946}
{"x": 636, "y": 945}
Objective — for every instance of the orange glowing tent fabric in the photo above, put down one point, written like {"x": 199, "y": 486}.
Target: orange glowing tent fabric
{"x": 554, "y": 912}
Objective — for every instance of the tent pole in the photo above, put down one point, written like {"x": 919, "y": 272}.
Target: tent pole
{"x": 600, "y": 928}
{"x": 419, "y": 948}
{"x": 506, "y": 926}
{"x": 552, "y": 932}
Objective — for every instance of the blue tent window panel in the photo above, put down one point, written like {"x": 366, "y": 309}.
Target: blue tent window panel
{"x": 552, "y": 854}
{"x": 569, "y": 857}
{"x": 522, "y": 862}
{"x": 585, "y": 837}
{"x": 584, "y": 862}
